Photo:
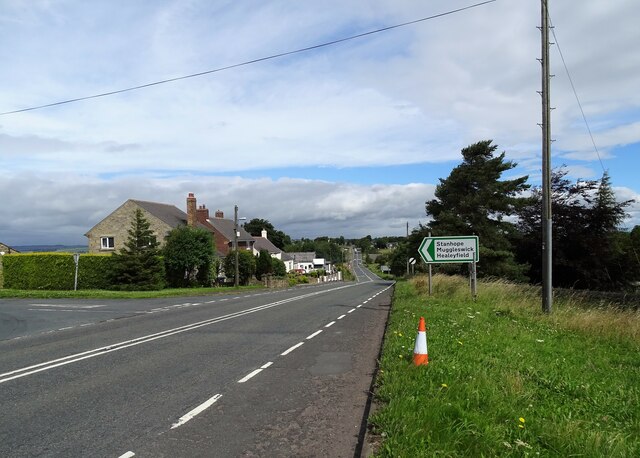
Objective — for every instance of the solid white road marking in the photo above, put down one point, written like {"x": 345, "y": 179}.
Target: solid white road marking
{"x": 286, "y": 352}
{"x": 328, "y": 325}
{"x": 314, "y": 334}
{"x": 201, "y": 408}
{"x": 23, "y": 372}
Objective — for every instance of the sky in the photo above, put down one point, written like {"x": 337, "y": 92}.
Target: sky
{"x": 349, "y": 139}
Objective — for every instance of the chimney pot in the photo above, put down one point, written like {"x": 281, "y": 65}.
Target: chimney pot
{"x": 219, "y": 214}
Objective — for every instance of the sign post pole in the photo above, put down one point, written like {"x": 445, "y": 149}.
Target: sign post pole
{"x": 76, "y": 258}
{"x": 430, "y": 288}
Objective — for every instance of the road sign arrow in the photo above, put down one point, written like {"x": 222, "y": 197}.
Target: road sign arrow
{"x": 426, "y": 250}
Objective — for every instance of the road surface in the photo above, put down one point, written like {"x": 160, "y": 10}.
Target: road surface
{"x": 266, "y": 373}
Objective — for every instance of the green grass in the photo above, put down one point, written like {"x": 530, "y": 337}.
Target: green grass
{"x": 105, "y": 294}
{"x": 504, "y": 379}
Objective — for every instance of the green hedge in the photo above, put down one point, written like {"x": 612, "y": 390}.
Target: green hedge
{"x": 54, "y": 271}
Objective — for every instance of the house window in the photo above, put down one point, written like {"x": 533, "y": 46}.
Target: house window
{"x": 107, "y": 243}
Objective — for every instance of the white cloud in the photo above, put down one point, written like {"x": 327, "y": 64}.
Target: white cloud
{"x": 60, "y": 208}
{"x": 412, "y": 95}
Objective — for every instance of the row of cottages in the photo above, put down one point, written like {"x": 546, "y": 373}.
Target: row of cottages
{"x": 111, "y": 233}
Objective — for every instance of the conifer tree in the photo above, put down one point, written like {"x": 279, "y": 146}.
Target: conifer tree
{"x": 138, "y": 266}
{"x": 473, "y": 200}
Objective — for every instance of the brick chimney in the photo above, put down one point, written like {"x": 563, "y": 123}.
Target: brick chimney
{"x": 219, "y": 214}
{"x": 202, "y": 214}
{"x": 191, "y": 210}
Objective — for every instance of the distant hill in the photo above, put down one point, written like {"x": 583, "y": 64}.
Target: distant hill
{"x": 51, "y": 248}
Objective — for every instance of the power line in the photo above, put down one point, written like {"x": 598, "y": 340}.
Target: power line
{"x": 249, "y": 62}
{"x": 575, "y": 93}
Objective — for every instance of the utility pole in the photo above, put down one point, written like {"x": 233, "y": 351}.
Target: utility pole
{"x": 547, "y": 286}
{"x": 235, "y": 244}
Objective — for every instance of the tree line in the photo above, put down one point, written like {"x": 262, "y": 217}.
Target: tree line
{"x": 590, "y": 249}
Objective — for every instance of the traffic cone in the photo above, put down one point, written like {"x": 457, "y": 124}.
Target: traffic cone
{"x": 420, "y": 353}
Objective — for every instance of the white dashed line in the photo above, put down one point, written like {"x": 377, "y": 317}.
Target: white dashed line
{"x": 352, "y": 310}
{"x": 328, "y": 325}
{"x": 314, "y": 334}
{"x": 358, "y": 306}
{"x": 286, "y": 352}
{"x": 127, "y": 455}
{"x": 266, "y": 365}
{"x": 341, "y": 317}
{"x": 201, "y": 408}
{"x": 250, "y": 375}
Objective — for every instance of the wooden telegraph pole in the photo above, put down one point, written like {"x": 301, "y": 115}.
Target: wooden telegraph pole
{"x": 547, "y": 287}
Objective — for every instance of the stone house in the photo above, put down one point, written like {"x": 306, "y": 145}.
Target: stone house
{"x": 110, "y": 234}
{"x": 6, "y": 249}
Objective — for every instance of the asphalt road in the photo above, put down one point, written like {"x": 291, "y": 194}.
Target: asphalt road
{"x": 279, "y": 373}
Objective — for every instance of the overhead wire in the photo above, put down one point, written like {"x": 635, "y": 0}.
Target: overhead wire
{"x": 575, "y": 93}
{"x": 248, "y": 62}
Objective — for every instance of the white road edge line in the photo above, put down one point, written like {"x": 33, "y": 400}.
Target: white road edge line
{"x": 198, "y": 410}
{"x": 127, "y": 455}
{"x": 286, "y": 352}
{"x": 328, "y": 325}
{"x": 314, "y": 334}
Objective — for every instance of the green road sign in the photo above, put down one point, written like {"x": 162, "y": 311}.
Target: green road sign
{"x": 450, "y": 249}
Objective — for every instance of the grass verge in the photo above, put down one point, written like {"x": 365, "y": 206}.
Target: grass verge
{"x": 106, "y": 294}
{"x": 504, "y": 379}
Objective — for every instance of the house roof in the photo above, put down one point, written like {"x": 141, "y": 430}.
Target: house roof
{"x": 308, "y": 256}
{"x": 169, "y": 214}
{"x": 265, "y": 244}
{"x": 225, "y": 227}
{"x": 7, "y": 249}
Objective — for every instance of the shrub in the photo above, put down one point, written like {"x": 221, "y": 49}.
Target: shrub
{"x": 55, "y": 271}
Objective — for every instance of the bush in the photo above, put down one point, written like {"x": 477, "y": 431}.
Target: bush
{"x": 54, "y": 271}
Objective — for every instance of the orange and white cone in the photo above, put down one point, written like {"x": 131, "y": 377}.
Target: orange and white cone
{"x": 420, "y": 353}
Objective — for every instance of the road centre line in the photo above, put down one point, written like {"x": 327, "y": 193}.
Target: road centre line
{"x": 127, "y": 455}
{"x": 286, "y": 352}
{"x": 33, "y": 369}
{"x": 328, "y": 325}
{"x": 198, "y": 410}
{"x": 264, "y": 366}
{"x": 341, "y": 317}
{"x": 250, "y": 375}
{"x": 352, "y": 310}
{"x": 314, "y": 334}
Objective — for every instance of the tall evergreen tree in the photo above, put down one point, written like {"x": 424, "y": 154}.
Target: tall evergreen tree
{"x": 138, "y": 266}
{"x": 588, "y": 250}
{"x": 473, "y": 200}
